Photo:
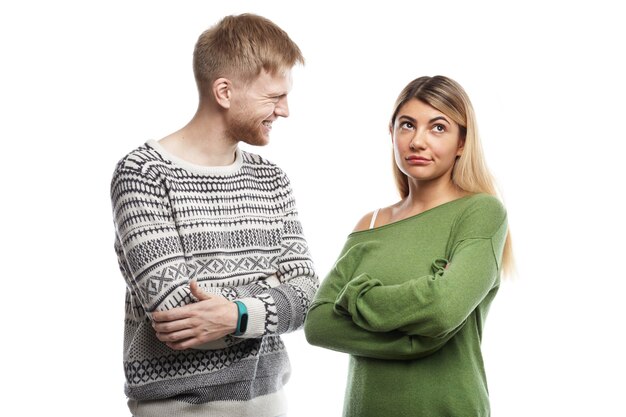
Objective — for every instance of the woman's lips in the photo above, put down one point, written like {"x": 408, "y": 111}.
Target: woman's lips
{"x": 418, "y": 160}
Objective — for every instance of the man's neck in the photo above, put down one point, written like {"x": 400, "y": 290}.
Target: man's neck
{"x": 202, "y": 142}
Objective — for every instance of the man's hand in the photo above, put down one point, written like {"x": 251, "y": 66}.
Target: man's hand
{"x": 211, "y": 318}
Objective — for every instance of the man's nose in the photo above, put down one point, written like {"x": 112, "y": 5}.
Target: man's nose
{"x": 282, "y": 107}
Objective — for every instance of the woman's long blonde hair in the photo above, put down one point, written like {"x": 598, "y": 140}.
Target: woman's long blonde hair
{"x": 470, "y": 171}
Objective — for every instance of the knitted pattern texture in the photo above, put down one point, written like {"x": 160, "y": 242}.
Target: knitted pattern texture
{"x": 235, "y": 230}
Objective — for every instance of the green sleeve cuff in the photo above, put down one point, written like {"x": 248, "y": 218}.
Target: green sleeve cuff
{"x": 346, "y": 302}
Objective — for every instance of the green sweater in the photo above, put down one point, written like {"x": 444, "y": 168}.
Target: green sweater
{"x": 408, "y": 302}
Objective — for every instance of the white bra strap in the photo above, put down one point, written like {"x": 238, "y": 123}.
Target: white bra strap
{"x": 374, "y": 218}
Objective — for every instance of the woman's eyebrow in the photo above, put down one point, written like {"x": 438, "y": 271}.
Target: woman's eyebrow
{"x": 409, "y": 118}
{"x": 434, "y": 119}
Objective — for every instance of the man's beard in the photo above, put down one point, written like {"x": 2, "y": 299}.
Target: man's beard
{"x": 246, "y": 130}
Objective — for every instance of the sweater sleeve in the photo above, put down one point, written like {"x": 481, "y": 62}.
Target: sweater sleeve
{"x": 326, "y": 328}
{"x": 280, "y": 304}
{"x": 438, "y": 304}
{"x": 151, "y": 255}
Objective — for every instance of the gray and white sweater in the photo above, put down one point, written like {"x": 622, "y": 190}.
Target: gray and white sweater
{"x": 234, "y": 229}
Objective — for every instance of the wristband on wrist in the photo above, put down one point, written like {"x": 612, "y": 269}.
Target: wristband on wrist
{"x": 242, "y": 318}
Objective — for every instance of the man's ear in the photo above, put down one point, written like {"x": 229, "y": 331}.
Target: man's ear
{"x": 222, "y": 91}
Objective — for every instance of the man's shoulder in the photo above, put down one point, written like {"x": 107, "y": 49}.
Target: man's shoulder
{"x": 261, "y": 167}
{"x": 260, "y": 162}
{"x": 140, "y": 160}
{"x": 257, "y": 160}
{"x": 140, "y": 156}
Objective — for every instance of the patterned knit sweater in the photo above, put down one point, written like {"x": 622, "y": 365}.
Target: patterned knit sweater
{"x": 234, "y": 229}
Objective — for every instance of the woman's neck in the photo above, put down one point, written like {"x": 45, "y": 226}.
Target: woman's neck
{"x": 425, "y": 195}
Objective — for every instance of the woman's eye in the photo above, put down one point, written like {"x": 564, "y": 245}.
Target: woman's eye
{"x": 439, "y": 128}
{"x": 406, "y": 125}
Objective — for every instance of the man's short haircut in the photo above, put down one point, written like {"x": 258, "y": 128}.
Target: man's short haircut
{"x": 239, "y": 47}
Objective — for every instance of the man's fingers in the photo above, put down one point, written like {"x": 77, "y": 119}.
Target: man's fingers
{"x": 175, "y": 337}
{"x": 198, "y": 292}
{"x": 178, "y": 313}
{"x": 172, "y": 326}
{"x": 184, "y": 312}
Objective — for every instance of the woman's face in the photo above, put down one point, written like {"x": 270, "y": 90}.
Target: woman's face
{"x": 426, "y": 142}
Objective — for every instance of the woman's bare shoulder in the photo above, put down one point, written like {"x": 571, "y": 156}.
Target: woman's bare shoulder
{"x": 382, "y": 217}
{"x": 364, "y": 222}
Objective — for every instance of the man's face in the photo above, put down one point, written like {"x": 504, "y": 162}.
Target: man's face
{"x": 256, "y": 105}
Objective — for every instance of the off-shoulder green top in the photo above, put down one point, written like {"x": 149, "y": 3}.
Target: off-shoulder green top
{"x": 408, "y": 302}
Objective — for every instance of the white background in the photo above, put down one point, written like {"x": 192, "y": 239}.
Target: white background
{"x": 83, "y": 83}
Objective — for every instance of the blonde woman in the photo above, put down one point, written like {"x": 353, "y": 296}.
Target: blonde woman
{"x": 409, "y": 294}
